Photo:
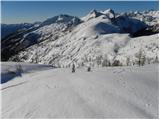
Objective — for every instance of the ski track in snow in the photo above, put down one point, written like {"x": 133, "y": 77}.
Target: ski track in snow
{"x": 119, "y": 92}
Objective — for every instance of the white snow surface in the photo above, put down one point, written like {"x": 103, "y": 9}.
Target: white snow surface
{"x": 109, "y": 92}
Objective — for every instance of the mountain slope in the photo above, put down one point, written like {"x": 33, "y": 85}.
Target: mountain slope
{"x": 96, "y": 38}
{"x": 50, "y": 29}
{"x": 92, "y": 50}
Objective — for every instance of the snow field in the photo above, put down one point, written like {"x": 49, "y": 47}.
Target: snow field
{"x": 113, "y": 92}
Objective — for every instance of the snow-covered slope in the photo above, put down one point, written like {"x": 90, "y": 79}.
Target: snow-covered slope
{"x": 95, "y": 49}
{"x": 55, "y": 27}
{"x": 148, "y": 45}
{"x": 117, "y": 92}
{"x": 97, "y": 37}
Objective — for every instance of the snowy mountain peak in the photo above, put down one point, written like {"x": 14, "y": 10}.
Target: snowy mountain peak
{"x": 110, "y": 13}
{"x": 62, "y": 18}
{"x": 92, "y": 14}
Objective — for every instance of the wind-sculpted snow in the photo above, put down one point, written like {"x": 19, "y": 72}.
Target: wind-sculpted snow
{"x": 113, "y": 92}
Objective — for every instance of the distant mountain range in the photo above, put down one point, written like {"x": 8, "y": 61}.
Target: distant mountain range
{"x": 7, "y": 29}
{"x": 99, "y": 38}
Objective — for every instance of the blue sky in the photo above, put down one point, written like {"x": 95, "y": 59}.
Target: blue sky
{"x": 31, "y": 11}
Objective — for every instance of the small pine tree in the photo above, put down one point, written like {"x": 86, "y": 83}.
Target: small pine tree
{"x": 36, "y": 57}
{"x": 105, "y": 63}
{"x": 148, "y": 60}
{"x": 36, "y": 54}
{"x": 143, "y": 60}
{"x": 140, "y": 56}
{"x": 99, "y": 60}
{"x": 156, "y": 59}
{"x": 116, "y": 48}
{"x": 19, "y": 69}
{"x": 82, "y": 64}
{"x": 89, "y": 69}
{"x": 133, "y": 63}
{"x": 128, "y": 61}
{"x": 109, "y": 63}
{"x": 73, "y": 68}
